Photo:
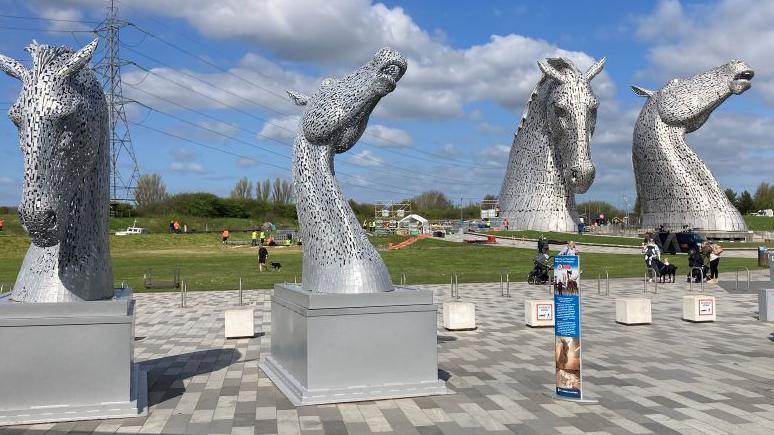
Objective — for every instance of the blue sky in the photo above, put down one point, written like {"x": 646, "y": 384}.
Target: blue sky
{"x": 450, "y": 123}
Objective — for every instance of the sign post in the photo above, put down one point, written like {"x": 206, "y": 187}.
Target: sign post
{"x": 567, "y": 329}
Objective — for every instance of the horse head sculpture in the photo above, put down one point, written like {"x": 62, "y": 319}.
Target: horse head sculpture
{"x": 61, "y": 115}
{"x": 675, "y": 187}
{"x": 338, "y": 257}
{"x": 550, "y": 159}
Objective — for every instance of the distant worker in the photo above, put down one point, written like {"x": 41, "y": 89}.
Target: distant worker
{"x": 263, "y": 254}
{"x": 176, "y": 226}
{"x": 225, "y": 235}
{"x": 2, "y": 224}
{"x": 262, "y": 237}
{"x": 488, "y": 224}
{"x": 171, "y": 226}
{"x": 254, "y": 238}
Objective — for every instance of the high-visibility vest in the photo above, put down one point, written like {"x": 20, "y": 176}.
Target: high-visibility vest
{"x": 255, "y": 235}
{"x": 263, "y": 236}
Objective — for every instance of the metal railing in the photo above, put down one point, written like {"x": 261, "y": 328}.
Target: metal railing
{"x": 607, "y": 282}
{"x": 647, "y": 277}
{"x": 455, "y": 286}
{"x": 402, "y": 279}
{"x": 690, "y": 278}
{"x": 505, "y": 285}
{"x": 240, "y": 292}
{"x": 736, "y": 287}
{"x": 183, "y": 294}
{"x": 551, "y": 281}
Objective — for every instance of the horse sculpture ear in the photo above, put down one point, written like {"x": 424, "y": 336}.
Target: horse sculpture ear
{"x": 298, "y": 99}
{"x": 550, "y": 71}
{"x": 13, "y": 68}
{"x": 642, "y": 92}
{"x": 78, "y": 60}
{"x": 595, "y": 69}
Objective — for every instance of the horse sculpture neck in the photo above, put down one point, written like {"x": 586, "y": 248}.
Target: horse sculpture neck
{"x": 534, "y": 194}
{"x": 674, "y": 185}
{"x": 338, "y": 257}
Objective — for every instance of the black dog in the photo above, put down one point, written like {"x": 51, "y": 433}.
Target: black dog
{"x": 666, "y": 271}
{"x": 276, "y": 266}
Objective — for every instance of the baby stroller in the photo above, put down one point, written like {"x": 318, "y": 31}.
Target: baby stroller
{"x": 539, "y": 273}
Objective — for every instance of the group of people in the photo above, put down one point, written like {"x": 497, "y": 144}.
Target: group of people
{"x": 174, "y": 226}
{"x": 706, "y": 258}
{"x": 703, "y": 261}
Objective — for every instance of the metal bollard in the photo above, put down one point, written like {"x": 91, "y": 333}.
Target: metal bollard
{"x": 505, "y": 284}
{"x": 240, "y": 291}
{"x": 402, "y": 279}
{"x": 551, "y": 281}
{"x": 655, "y": 280}
{"x": 295, "y": 279}
{"x": 736, "y": 287}
{"x": 607, "y": 282}
{"x": 182, "y": 294}
{"x": 701, "y": 278}
{"x": 455, "y": 285}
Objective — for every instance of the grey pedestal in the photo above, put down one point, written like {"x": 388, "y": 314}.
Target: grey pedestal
{"x": 766, "y": 304}
{"x": 69, "y": 361}
{"x": 332, "y": 348}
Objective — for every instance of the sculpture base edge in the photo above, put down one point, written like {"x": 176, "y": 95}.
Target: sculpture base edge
{"x": 335, "y": 348}
{"x": 69, "y": 361}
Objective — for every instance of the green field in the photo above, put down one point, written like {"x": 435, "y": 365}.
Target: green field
{"x": 206, "y": 264}
{"x": 760, "y": 223}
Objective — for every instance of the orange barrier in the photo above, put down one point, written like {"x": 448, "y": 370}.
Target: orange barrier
{"x": 408, "y": 242}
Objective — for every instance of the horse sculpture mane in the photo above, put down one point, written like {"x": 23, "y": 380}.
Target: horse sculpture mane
{"x": 675, "y": 188}
{"x": 338, "y": 257}
{"x": 550, "y": 157}
{"x": 62, "y": 118}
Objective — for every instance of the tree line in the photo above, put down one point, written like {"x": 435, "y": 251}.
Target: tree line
{"x": 746, "y": 203}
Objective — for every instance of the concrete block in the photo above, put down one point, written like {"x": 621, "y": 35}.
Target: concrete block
{"x": 766, "y": 304}
{"x": 539, "y": 312}
{"x": 459, "y": 315}
{"x": 699, "y": 308}
{"x": 350, "y": 347}
{"x": 240, "y": 323}
{"x": 633, "y": 311}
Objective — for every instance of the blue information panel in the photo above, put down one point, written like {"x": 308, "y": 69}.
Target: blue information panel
{"x": 568, "y": 326}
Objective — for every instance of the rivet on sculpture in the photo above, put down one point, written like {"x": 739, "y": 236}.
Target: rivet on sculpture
{"x": 62, "y": 118}
{"x": 550, "y": 158}
{"x": 338, "y": 258}
{"x": 674, "y": 186}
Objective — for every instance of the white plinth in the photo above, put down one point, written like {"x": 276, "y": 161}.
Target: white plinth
{"x": 459, "y": 315}
{"x": 699, "y": 308}
{"x": 240, "y": 323}
{"x": 633, "y": 311}
{"x": 539, "y": 312}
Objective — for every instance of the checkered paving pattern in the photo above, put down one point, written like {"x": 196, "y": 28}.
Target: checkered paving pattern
{"x": 668, "y": 377}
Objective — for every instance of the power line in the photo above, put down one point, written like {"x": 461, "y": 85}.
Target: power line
{"x": 24, "y": 17}
{"x": 30, "y": 29}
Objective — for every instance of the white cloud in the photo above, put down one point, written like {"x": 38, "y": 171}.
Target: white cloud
{"x": 365, "y": 159}
{"x": 245, "y": 162}
{"x": 387, "y": 137}
{"x": 189, "y": 167}
{"x": 283, "y": 129}
{"x": 687, "y": 41}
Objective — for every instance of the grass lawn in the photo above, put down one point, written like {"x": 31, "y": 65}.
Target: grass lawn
{"x": 760, "y": 223}
{"x": 206, "y": 264}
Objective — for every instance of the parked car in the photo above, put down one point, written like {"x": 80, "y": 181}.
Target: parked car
{"x": 682, "y": 241}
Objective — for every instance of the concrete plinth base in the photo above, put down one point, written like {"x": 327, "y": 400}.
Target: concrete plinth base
{"x": 332, "y": 348}
{"x": 699, "y": 308}
{"x": 459, "y": 316}
{"x": 69, "y": 361}
{"x": 766, "y": 305}
{"x": 633, "y": 311}
{"x": 239, "y": 323}
{"x": 539, "y": 313}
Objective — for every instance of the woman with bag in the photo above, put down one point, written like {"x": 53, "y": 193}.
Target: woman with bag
{"x": 714, "y": 257}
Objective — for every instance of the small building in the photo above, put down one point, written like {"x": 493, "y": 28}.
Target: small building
{"x": 414, "y": 225}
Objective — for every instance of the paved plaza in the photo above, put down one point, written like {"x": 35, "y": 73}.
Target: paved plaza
{"x": 668, "y": 377}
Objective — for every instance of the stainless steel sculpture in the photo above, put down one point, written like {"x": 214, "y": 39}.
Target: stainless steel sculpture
{"x": 62, "y": 118}
{"x": 338, "y": 258}
{"x": 674, "y": 186}
{"x": 550, "y": 159}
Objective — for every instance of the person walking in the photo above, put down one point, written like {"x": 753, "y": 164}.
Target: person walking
{"x": 254, "y": 238}
{"x": 263, "y": 254}
{"x": 651, "y": 252}
{"x": 569, "y": 249}
{"x": 714, "y": 257}
{"x": 225, "y": 235}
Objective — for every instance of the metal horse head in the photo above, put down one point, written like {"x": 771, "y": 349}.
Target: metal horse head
{"x": 571, "y": 115}
{"x": 54, "y": 114}
{"x": 689, "y": 103}
{"x": 337, "y": 114}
